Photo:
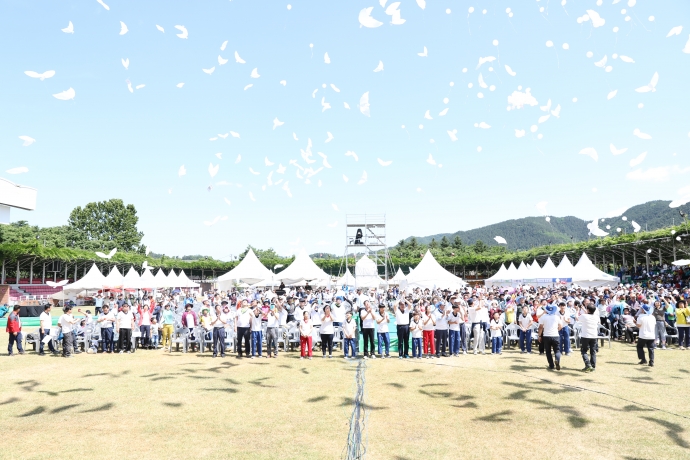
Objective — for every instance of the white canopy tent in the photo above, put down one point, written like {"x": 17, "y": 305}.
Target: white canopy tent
{"x": 185, "y": 282}
{"x": 399, "y": 276}
{"x": 500, "y": 278}
{"x": 347, "y": 279}
{"x": 430, "y": 274}
{"x": 161, "y": 279}
{"x": 302, "y": 268}
{"x": 173, "y": 280}
{"x": 114, "y": 280}
{"x": 147, "y": 279}
{"x": 522, "y": 272}
{"x": 587, "y": 275}
{"x": 366, "y": 273}
{"x": 132, "y": 280}
{"x": 565, "y": 269}
{"x": 93, "y": 280}
{"x": 250, "y": 270}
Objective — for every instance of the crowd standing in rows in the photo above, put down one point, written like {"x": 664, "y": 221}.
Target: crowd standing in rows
{"x": 433, "y": 323}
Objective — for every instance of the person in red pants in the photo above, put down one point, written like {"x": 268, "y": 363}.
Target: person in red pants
{"x": 429, "y": 324}
{"x": 306, "y": 328}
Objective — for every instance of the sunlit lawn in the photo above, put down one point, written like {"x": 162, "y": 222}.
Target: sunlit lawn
{"x": 152, "y": 404}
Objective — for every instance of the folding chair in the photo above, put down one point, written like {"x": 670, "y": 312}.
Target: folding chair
{"x": 33, "y": 338}
{"x": 196, "y": 337}
{"x": 230, "y": 339}
{"x": 136, "y": 335}
{"x": 577, "y": 329}
{"x": 180, "y": 336}
{"x": 293, "y": 337}
{"x": 338, "y": 337}
{"x": 671, "y": 333}
{"x": 206, "y": 339}
{"x": 512, "y": 333}
{"x": 606, "y": 334}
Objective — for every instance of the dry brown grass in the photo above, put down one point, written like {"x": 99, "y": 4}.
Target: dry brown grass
{"x": 160, "y": 405}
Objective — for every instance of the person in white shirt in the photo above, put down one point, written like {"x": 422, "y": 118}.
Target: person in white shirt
{"x": 219, "y": 322}
{"x": 366, "y": 315}
{"x": 123, "y": 326}
{"x": 564, "y": 333}
{"x": 525, "y": 323}
{"x": 107, "y": 321}
{"x": 257, "y": 332}
{"x": 479, "y": 324}
{"x": 272, "y": 325}
{"x": 496, "y": 326}
{"x": 588, "y": 317}
{"x": 46, "y": 323}
{"x": 402, "y": 320}
{"x": 327, "y": 330}
{"x": 455, "y": 322}
{"x": 338, "y": 312}
{"x": 549, "y": 327}
{"x": 382, "y": 320}
{"x": 441, "y": 329}
{"x": 416, "y": 331}
{"x": 428, "y": 327}
{"x": 66, "y": 323}
{"x": 349, "y": 327}
{"x": 646, "y": 336}
{"x": 305, "y": 336}
{"x": 243, "y": 323}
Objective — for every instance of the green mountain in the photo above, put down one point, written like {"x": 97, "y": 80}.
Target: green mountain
{"x": 529, "y": 232}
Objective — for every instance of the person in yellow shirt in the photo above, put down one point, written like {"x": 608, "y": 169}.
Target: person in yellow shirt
{"x": 683, "y": 324}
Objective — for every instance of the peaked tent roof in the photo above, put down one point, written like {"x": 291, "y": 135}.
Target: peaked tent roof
{"x": 250, "y": 270}
{"x": 522, "y": 272}
{"x": 132, "y": 279}
{"x": 114, "y": 280}
{"x": 548, "y": 271}
{"x": 510, "y": 273}
{"x": 499, "y": 275}
{"x": 93, "y": 279}
{"x": 366, "y": 273}
{"x": 147, "y": 279}
{"x": 302, "y": 268}
{"x": 399, "y": 276}
{"x": 173, "y": 280}
{"x": 586, "y": 274}
{"x": 161, "y": 279}
{"x": 429, "y": 273}
{"x": 346, "y": 280}
{"x": 565, "y": 268}
{"x": 185, "y": 281}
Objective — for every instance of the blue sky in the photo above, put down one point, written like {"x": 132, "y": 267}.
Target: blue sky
{"x": 110, "y": 143}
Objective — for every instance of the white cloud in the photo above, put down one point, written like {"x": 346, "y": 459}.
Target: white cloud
{"x": 616, "y": 212}
{"x": 658, "y": 174}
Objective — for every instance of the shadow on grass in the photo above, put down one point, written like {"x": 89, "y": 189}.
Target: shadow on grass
{"x": 413, "y": 370}
{"x": 628, "y": 408}
{"x": 467, "y": 405}
{"x": 496, "y": 417}
{"x": 9, "y": 401}
{"x": 102, "y": 408}
{"x": 317, "y": 399}
{"x": 285, "y": 366}
{"x": 644, "y": 380}
{"x": 575, "y": 417}
{"x": 98, "y": 375}
{"x": 172, "y": 404}
{"x": 434, "y": 385}
{"x": 304, "y": 370}
{"x": 36, "y": 411}
{"x": 399, "y": 386}
{"x": 684, "y": 371}
{"x": 347, "y": 401}
{"x": 57, "y": 410}
{"x": 260, "y": 383}
{"x": 232, "y": 381}
{"x": 673, "y": 431}
{"x": 623, "y": 364}
{"x": 224, "y": 390}
{"x": 162, "y": 377}
{"x": 534, "y": 386}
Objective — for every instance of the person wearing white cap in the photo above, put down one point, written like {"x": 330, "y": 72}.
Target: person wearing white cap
{"x": 589, "y": 320}
{"x": 647, "y": 325}
{"x": 549, "y": 328}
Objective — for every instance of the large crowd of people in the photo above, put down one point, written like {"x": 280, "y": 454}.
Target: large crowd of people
{"x": 428, "y": 323}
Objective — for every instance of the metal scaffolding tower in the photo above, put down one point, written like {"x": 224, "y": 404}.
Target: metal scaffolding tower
{"x": 366, "y": 233}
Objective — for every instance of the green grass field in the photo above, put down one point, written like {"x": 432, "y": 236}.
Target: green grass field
{"x": 178, "y": 406}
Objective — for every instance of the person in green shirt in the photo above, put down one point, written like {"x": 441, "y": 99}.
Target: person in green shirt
{"x": 168, "y": 320}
